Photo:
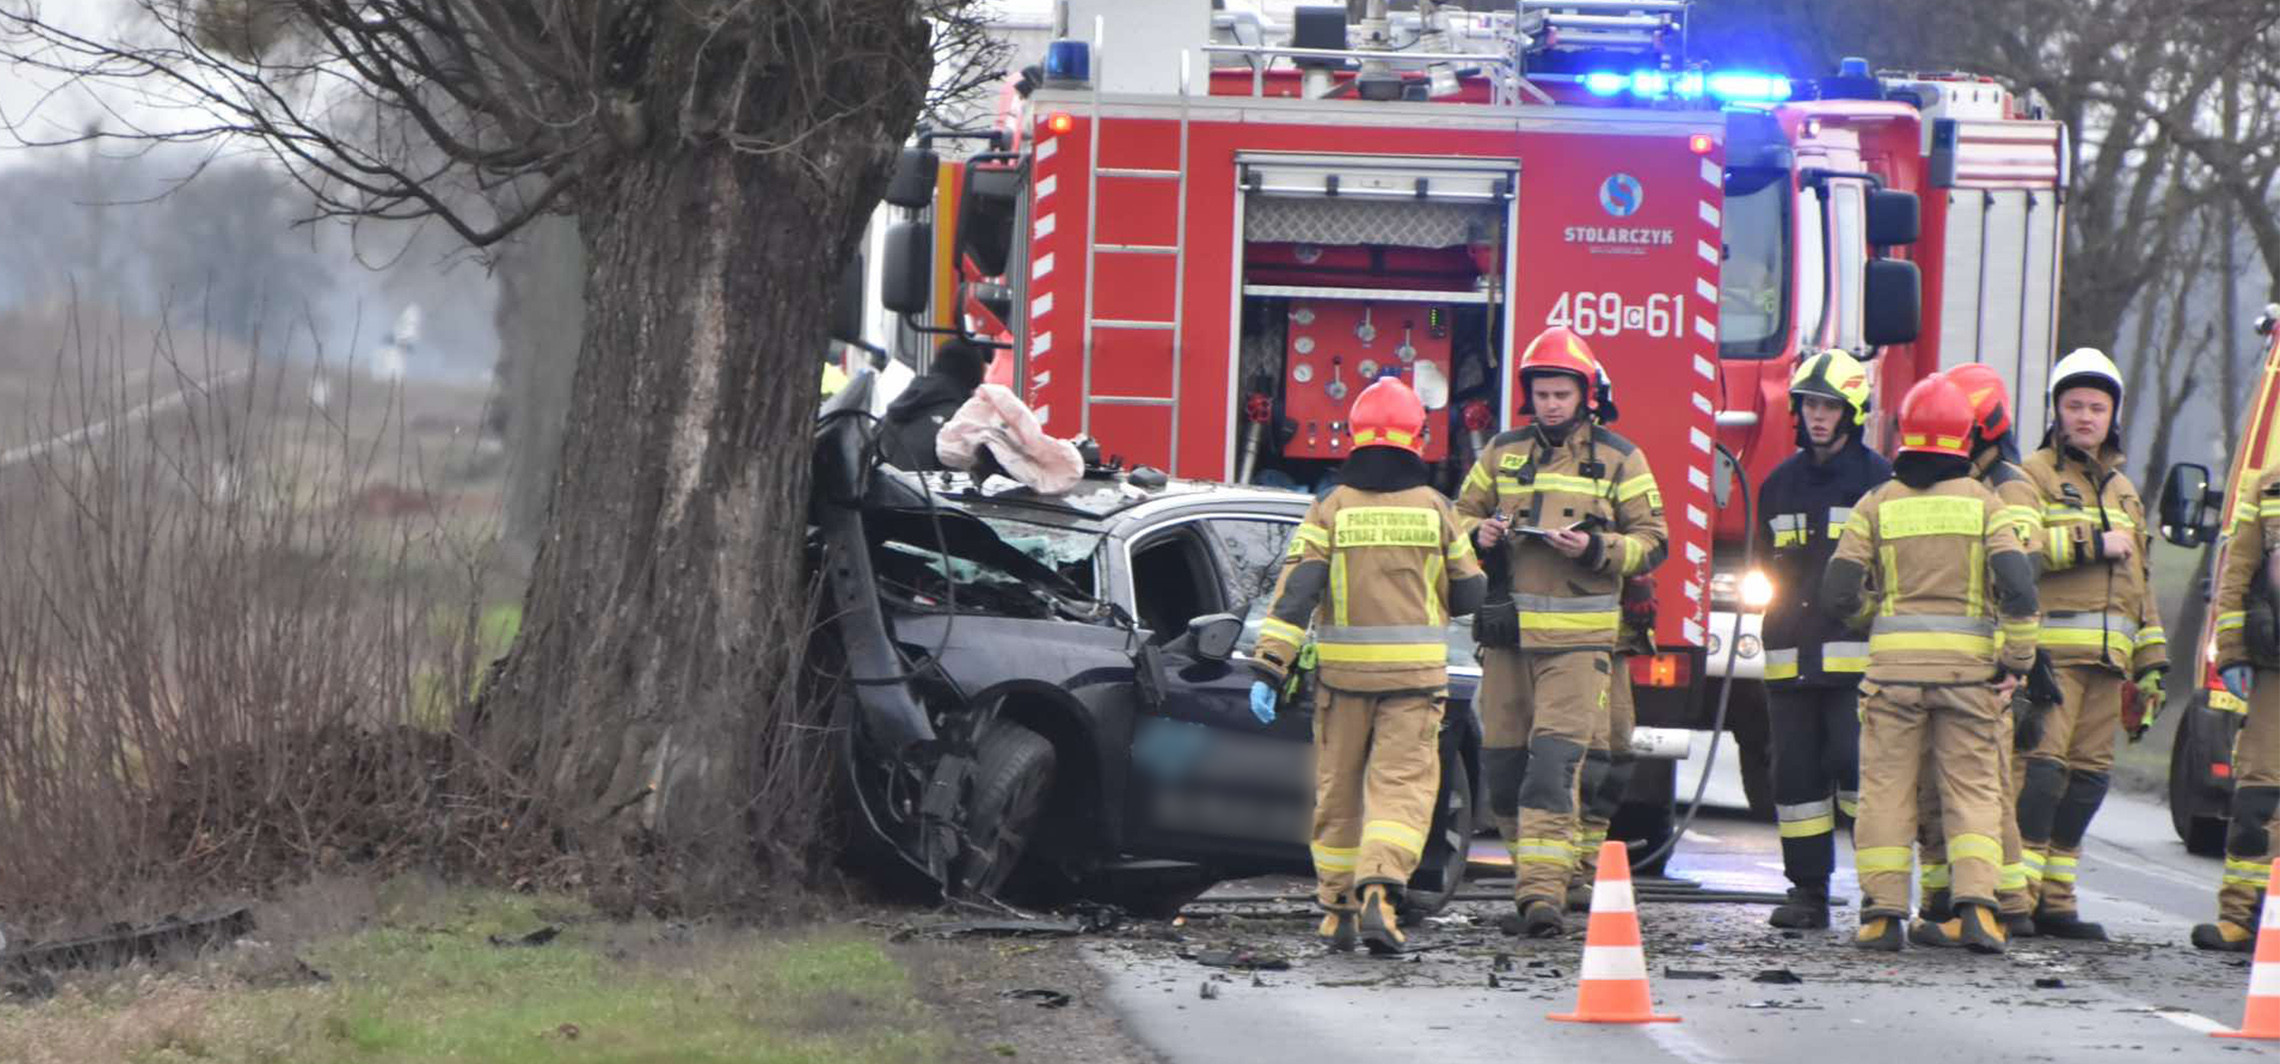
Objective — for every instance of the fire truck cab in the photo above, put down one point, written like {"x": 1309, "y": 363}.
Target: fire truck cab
{"x": 1195, "y": 239}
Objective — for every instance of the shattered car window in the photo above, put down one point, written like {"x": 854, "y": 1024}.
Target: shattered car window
{"x": 1254, "y": 552}
{"x": 914, "y": 569}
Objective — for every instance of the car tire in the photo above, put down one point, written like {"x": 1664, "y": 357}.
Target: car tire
{"x": 1454, "y": 819}
{"x": 2202, "y": 834}
{"x": 1012, "y": 782}
{"x": 1648, "y": 815}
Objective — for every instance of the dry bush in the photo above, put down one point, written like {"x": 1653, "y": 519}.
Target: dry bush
{"x": 239, "y": 609}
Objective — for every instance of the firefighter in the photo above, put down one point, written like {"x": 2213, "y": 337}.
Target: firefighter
{"x": 2248, "y": 663}
{"x": 1608, "y": 765}
{"x": 1377, "y": 568}
{"x": 1994, "y": 452}
{"x": 1936, "y": 682}
{"x": 1574, "y": 510}
{"x": 1812, "y": 663}
{"x": 2100, "y": 625}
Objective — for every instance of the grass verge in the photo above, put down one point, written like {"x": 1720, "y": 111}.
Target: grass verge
{"x": 426, "y": 982}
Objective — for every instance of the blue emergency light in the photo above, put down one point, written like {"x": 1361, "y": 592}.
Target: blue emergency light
{"x": 1729, "y": 86}
{"x": 1068, "y": 62}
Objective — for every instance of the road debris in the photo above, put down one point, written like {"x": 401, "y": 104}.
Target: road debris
{"x": 1046, "y": 999}
{"x": 1210, "y": 991}
{"x": 1009, "y": 928}
{"x": 1778, "y": 976}
{"x": 2050, "y": 983}
{"x": 1689, "y": 973}
{"x": 1240, "y": 957}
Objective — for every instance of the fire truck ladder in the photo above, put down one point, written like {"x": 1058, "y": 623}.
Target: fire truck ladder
{"x": 1094, "y": 248}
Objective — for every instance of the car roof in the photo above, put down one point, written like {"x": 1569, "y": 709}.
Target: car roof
{"x": 1103, "y": 502}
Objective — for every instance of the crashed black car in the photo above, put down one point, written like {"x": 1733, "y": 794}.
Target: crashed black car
{"x": 1045, "y": 695}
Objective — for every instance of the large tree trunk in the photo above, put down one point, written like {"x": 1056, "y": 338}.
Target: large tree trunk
{"x": 666, "y": 613}
{"x": 541, "y": 315}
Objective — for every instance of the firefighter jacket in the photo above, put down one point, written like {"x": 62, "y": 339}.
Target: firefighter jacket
{"x": 1377, "y": 575}
{"x": 1806, "y": 504}
{"x": 2241, "y": 585}
{"x": 1946, "y": 567}
{"x": 2096, "y": 610}
{"x": 1590, "y": 479}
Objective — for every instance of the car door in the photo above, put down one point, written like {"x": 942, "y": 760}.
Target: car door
{"x": 1209, "y": 780}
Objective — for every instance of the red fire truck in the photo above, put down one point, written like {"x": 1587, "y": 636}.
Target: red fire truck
{"x": 1196, "y": 239}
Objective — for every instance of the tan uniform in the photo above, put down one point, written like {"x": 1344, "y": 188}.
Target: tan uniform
{"x": 1946, "y": 565}
{"x": 2249, "y": 543}
{"x": 1543, "y": 705}
{"x": 1373, "y": 573}
{"x": 1607, "y": 765}
{"x": 2022, "y": 508}
{"x": 2102, "y": 628}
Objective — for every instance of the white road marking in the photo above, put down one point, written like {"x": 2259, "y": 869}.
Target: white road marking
{"x": 96, "y": 431}
{"x": 2192, "y": 1021}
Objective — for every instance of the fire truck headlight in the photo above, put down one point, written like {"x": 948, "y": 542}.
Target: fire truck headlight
{"x": 1757, "y": 590}
{"x": 1748, "y": 646}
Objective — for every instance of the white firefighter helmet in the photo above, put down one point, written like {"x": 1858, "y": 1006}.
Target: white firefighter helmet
{"x": 2086, "y": 366}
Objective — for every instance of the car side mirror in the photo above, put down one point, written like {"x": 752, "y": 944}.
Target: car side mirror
{"x": 905, "y": 284}
{"x": 1894, "y": 218}
{"x": 1893, "y": 303}
{"x": 912, "y": 185}
{"x": 1215, "y": 635}
{"x": 847, "y": 304}
{"x": 2188, "y": 507}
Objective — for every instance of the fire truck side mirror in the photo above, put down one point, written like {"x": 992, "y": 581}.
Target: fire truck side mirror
{"x": 1894, "y": 218}
{"x": 1893, "y": 308}
{"x": 912, "y": 186}
{"x": 2188, "y": 517}
{"x": 905, "y": 283}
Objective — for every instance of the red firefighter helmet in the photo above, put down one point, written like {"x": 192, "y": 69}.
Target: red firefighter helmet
{"x": 1556, "y": 350}
{"x": 1935, "y": 418}
{"x": 1990, "y": 401}
{"x": 1388, "y": 414}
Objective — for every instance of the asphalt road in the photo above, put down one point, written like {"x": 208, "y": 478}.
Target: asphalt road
{"x": 2147, "y": 996}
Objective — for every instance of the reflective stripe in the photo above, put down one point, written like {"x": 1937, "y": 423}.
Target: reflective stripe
{"x": 1809, "y": 827}
{"x": 1857, "y": 524}
{"x": 1932, "y": 622}
{"x": 2060, "y": 869}
{"x": 1570, "y": 622}
{"x": 1978, "y": 646}
{"x": 1565, "y": 603}
{"x": 1338, "y": 588}
{"x": 1936, "y": 515}
{"x": 1511, "y": 488}
{"x": 1934, "y": 877}
{"x": 1387, "y": 526}
{"x": 2096, "y": 622}
{"x": 2152, "y": 637}
{"x": 1890, "y": 592}
{"x": 1336, "y": 858}
{"x": 1929, "y": 631}
{"x": 1787, "y": 522}
{"x": 1844, "y": 657}
{"x": 1781, "y": 664}
{"x": 1271, "y": 628}
{"x": 1848, "y": 802}
{"x": 1394, "y": 833}
{"x": 1804, "y": 810}
{"x": 1478, "y": 478}
{"x": 1635, "y": 487}
{"x": 2228, "y": 621}
{"x": 1420, "y": 654}
{"x": 2014, "y": 877}
{"x": 1458, "y": 550}
{"x": 1871, "y": 859}
{"x": 1789, "y": 538}
{"x": 1973, "y": 847}
{"x": 1839, "y": 517}
{"x": 1542, "y": 851}
{"x": 2248, "y": 873}
{"x": 1382, "y": 634}
{"x": 1573, "y": 485}
{"x": 1435, "y": 568}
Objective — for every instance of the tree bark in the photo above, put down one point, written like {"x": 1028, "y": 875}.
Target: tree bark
{"x": 666, "y": 610}
{"x": 541, "y": 312}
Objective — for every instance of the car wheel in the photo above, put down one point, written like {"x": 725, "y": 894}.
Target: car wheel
{"x": 1011, "y": 783}
{"x": 2202, "y": 834}
{"x": 1647, "y": 816}
{"x": 1752, "y": 732}
{"x": 1442, "y": 873}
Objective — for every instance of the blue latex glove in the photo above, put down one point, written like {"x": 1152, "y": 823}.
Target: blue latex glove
{"x": 2237, "y": 678}
{"x": 1263, "y": 701}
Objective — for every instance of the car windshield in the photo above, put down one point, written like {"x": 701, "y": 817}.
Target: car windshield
{"x": 980, "y": 572}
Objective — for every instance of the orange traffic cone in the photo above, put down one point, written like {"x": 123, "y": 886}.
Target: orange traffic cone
{"x": 2261, "y": 1020}
{"x": 1614, "y": 987}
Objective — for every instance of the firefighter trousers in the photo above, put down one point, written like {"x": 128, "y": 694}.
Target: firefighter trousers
{"x": 1815, "y": 733}
{"x": 2255, "y": 805}
{"x": 2062, "y": 781}
{"x": 1540, "y": 712}
{"x": 1377, "y": 769}
{"x": 1957, "y": 729}
{"x": 1606, "y": 773}
{"x": 2011, "y": 893}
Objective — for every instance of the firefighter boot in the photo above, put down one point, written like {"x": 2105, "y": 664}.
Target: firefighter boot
{"x": 1806, "y": 910}
{"x": 1339, "y": 929}
{"x": 1982, "y": 928}
{"x": 1879, "y": 933}
{"x": 1939, "y": 906}
{"x": 2018, "y": 925}
{"x": 2224, "y": 936}
{"x": 1380, "y": 925}
{"x": 2068, "y": 926}
{"x": 1535, "y": 918}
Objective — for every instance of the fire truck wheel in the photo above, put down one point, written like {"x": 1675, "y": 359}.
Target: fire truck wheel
{"x": 1442, "y": 873}
{"x": 2198, "y": 825}
{"x": 1011, "y": 784}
